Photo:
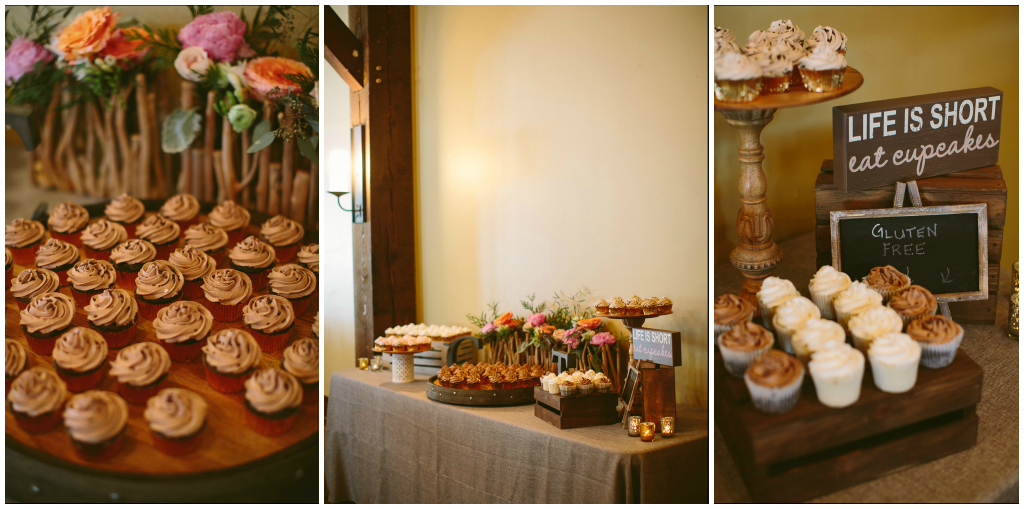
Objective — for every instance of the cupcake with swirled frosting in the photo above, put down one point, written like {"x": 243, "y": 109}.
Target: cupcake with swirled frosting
{"x": 822, "y": 69}
{"x": 96, "y": 421}
{"x": 827, "y": 36}
{"x": 80, "y": 357}
{"x": 774, "y": 381}
{"x": 294, "y": 283}
{"x": 887, "y": 281}
{"x": 36, "y": 399}
{"x": 23, "y": 237}
{"x": 939, "y": 338}
{"x": 825, "y": 285}
{"x": 8, "y": 268}
{"x": 125, "y": 211}
{"x": 45, "y": 319}
{"x": 227, "y": 291}
{"x": 837, "y": 373}
{"x": 158, "y": 284}
{"x": 115, "y": 315}
{"x": 141, "y": 371}
{"x": 914, "y": 302}
{"x": 617, "y": 306}
{"x": 100, "y": 238}
{"x": 182, "y": 209}
{"x": 57, "y": 256}
{"x": 785, "y": 29}
{"x": 302, "y": 360}
{"x": 316, "y": 325}
{"x": 194, "y": 265}
{"x": 724, "y": 34}
{"x": 16, "y": 361}
{"x": 230, "y": 217}
{"x": 742, "y": 344}
{"x": 269, "y": 318}
{"x": 774, "y": 292}
{"x": 90, "y": 277}
{"x": 816, "y": 334}
{"x": 67, "y": 221}
{"x": 229, "y": 358}
{"x": 309, "y": 258}
{"x": 181, "y": 328}
{"x": 176, "y": 419}
{"x": 871, "y": 324}
{"x": 894, "y": 359}
{"x": 730, "y": 311}
{"x": 161, "y": 232}
{"x": 856, "y": 299}
{"x": 272, "y": 398}
{"x": 31, "y": 283}
{"x": 254, "y": 258}
{"x": 128, "y": 258}
{"x": 284, "y": 234}
{"x": 776, "y": 69}
{"x": 209, "y": 239}
{"x": 791, "y": 317}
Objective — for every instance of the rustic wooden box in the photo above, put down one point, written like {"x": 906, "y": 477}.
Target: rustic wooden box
{"x": 982, "y": 185}
{"x": 813, "y": 450}
{"x": 576, "y": 411}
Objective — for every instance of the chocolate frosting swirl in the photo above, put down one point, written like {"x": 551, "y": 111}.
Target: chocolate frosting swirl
{"x": 250, "y": 252}
{"x": 182, "y": 321}
{"x": 103, "y": 235}
{"x": 158, "y": 280}
{"x": 93, "y": 417}
{"x": 192, "y": 263}
{"x": 22, "y": 232}
{"x": 124, "y": 209}
{"x": 291, "y": 281}
{"x": 886, "y": 277}
{"x": 935, "y": 329}
{"x": 227, "y": 286}
{"x": 140, "y": 364}
{"x": 774, "y": 368}
{"x": 68, "y": 217}
{"x": 272, "y": 390}
{"x": 309, "y": 256}
{"x": 92, "y": 274}
{"x": 268, "y": 313}
{"x": 112, "y": 307}
{"x": 33, "y": 282}
{"x": 37, "y": 391}
{"x": 229, "y": 216}
{"x": 914, "y": 300}
{"x": 80, "y": 350}
{"x": 133, "y": 251}
{"x": 316, "y": 324}
{"x": 205, "y": 238}
{"x": 48, "y": 312}
{"x": 159, "y": 230}
{"x": 14, "y": 357}
{"x": 56, "y": 253}
{"x": 281, "y": 231}
{"x": 180, "y": 207}
{"x": 302, "y": 360}
{"x": 745, "y": 336}
{"x": 8, "y": 258}
{"x": 175, "y": 412}
{"x": 730, "y": 309}
{"x": 232, "y": 351}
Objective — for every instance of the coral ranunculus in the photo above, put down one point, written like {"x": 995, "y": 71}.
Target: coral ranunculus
{"x": 122, "y": 48}
{"x": 504, "y": 319}
{"x": 87, "y": 34}
{"x": 221, "y": 34}
{"x": 265, "y": 74}
{"x": 22, "y": 57}
{"x": 589, "y": 323}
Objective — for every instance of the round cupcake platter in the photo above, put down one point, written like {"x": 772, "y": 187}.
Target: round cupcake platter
{"x": 232, "y": 464}
{"x": 632, "y": 320}
{"x": 796, "y": 96}
{"x": 425, "y": 348}
{"x": 479, "y": 397}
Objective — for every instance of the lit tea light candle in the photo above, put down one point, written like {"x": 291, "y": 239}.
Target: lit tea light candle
{"x": 634, "y": 425}
{"x": 1014, "y": 322}
{"x": 363, "y": 363}
{"x": 668, "y": 427}
{"x": 375, "y": 363}
{"x": 647, "y": 431}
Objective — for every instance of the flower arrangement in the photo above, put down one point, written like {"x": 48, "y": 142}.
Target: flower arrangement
{"x": 29, "y": 69}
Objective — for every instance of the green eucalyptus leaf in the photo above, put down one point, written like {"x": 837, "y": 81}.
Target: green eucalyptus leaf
{"x": 307, "y": 149}
{"x": 313, "y": 121}
{"x": 315, "y": 140}
{"x": 180, "y": 130}
{"x": 261, "y": 129}
{"x": 262, "y": 142}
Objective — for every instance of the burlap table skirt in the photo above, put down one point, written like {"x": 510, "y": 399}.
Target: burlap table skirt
{"x": 988, "y": 472}
{"x": 388, "y": 443}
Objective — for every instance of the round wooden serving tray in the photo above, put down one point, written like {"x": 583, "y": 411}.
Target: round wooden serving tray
{"x": 796, "y": 96}
{"x": 426, "y": 348}
{"x": 477, "y": 397}
{"x": 623, "y": 317}
{"x": 233, "y": 463}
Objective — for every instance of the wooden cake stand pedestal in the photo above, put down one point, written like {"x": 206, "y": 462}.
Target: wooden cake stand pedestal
{"x": 757, "y": 255}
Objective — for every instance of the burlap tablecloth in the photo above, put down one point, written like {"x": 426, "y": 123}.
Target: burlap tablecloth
{"x": 388, "y": 443}
{"x": 988, "y": 472}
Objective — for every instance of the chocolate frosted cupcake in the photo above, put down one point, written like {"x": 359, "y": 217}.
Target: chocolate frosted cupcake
{"x": 309, "y": 258}
{"x": 254, "y": 258}
{"x": 742, "y": 344}
{"x": 293, "y": 283}
{"x": 227, "y": 290}
{"x": 650, "y": 306}
{"x": 774, "y": 381}
{"x": 194, "y": 265}
{"x": 31, "y": 283}
{"x": 856, "y": 299}
{"x": 230, "y": 217}
{"x": 67, "y": 221}
{"x": 8, "y": 268}
{"x": 270, "y": 319}
{"x": 791, "y": 317}
{"x": 913, "y": 302}
{"x": 90, "y": 277}
{"x": 208, "y": 239}
{"x": 141, "y": 371}
{"x": 115, "y": 315}
{"x": 816, "y": 335}
{"x": 774, "y": 292}
{"x": 939, "y": 338}
{"x": 887, "y": 281}
{"x": 80, "y": 357}
{"x": 125, "y": 211}
{"x": 182, "y": 328}
{"x": 284, "y": 234}
{"x": 875, "y": 322}
{"x": 161, "y": 232}
{"x": 22, "y": 237}
{"x": 176, "y": 419}
{"x": 272, "y": 398}
{"x": 57, "y": 256}
{"x": 302, "y": 360}
{"x": 159, "y": 283}
{"x": 316, "y": 325}
{"x": 100, "y": 237}
{"x": 128, "y": 258}
{"x": 16, "y": 361}
{"x": 45, "y": 319}
{"x": 229, "y": 358}
{"x": 182, "y": 209}
{"x": 665, "y": 305}
{"x": 617, "y": 307}
{"x": 601, "y": 307}
{"x": 96, "y": 421}
{"x": 825, "y": 286}
{"x": 634, "y": 306}
{"x": 36, "y": 400}
{"x": 731, "y": 310}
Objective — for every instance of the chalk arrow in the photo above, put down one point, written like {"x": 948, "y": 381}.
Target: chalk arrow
{"x": 945, "y": 277}
{"x": 908, "y": 271}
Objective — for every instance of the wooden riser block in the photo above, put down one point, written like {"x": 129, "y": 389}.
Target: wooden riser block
{"x": 575, "y": 411}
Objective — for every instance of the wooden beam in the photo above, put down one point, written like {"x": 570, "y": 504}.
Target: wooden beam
{"x": 344, "y": 51}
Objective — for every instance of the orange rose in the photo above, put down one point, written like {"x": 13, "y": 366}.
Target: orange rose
{"x": 547, "y": 329}
{"x": 122, "y": 48}
{"x": 87, "y": 35}
{"x": 264, "y": 74}
{"x": 589, "y": 323}
{"x": 504, "y": 319}
{"x": 515, "y": 324}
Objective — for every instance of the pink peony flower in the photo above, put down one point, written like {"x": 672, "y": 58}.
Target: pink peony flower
{"x": 221, "y": 34}
{"x": 537, "y": 319}
{"x": 489, "y": 328}
{"x": 603, "y": 338}
{"x": 22, "y": 57}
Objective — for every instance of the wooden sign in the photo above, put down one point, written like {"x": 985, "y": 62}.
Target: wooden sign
{"x": 897, "y": 140}
{"x": 657, "y": 346}
{"x": 944, "y": 249}
{"x": 629, "y": 391}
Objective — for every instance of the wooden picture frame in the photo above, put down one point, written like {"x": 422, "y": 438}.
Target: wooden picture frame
{"x": 629, "y": 391}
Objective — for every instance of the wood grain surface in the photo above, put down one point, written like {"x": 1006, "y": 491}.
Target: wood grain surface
{"x": 796, "y": 96}
{"x": 227, "y": 441}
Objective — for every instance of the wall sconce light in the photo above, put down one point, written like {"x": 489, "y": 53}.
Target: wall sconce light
{"x": 360, "y": 169}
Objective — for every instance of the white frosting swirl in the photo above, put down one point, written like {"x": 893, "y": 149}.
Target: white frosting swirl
{"x": 37, "y": 391}
{"x": 785, "y": 29}
{"x": 736, "y": 66}
{"x": 140, "y": 364}
{"x": 818, "y": 334}
{"x": 828, "y": 281}
{"x": 875, "y": 322}
{"x": 271, "y": 390}
{"x": 80, "y": 350}
{"x": 894, "y": 348}
{"x": 176, "y": 413}
{"x": 775, "y": 62}
{"x": 823, "y": 58}
{"x": 829, "y": 37}
{"x": 722, "y": 47}
{"x": 793, "y": 313}
{"x": 724, "y": 34}
{"x": 775, "y": 291}
{"x": 840, "y": 361}
{"x": 93, "y": 417}
{"x": 858, "y": 298}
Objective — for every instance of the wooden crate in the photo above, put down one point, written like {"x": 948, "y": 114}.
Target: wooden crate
{"x": 575, "y": 411}
{"x": 813, "y": 450}
{"x": 981, "y": 185}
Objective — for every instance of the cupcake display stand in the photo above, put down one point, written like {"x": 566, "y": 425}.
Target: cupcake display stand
{"x": 657, "y": 384}
{"x": 566, "y": 412}
{"x": 403, "y": 370}
{"x": 757, "y": 255}
{"x": 479, "y": 397}
{"x": 233, "y": 462}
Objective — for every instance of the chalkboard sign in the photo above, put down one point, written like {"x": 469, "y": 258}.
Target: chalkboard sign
{"x": 944, "y": 249}
{"x": 629, "y": 391}
{"x": 657, "y": 346}
{"x": 896, "y": 140}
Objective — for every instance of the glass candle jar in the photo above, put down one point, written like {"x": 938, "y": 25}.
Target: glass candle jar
{"x": 1016, "y": 277}
{"x": 647, "y": 431}
{"x": 375, "y": 363}
{"x": 1013, "y": 327}
{"x": 668, "y": 427}
{"x": 363, "y": 363}
{"x": 634, "y": 425}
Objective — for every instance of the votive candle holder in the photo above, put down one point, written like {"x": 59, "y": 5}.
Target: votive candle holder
{"x": 363, "y": 363}
{"x": 668, "y": 427}
{"x": 634, "y": 425}
{"x": 647, "y": 431}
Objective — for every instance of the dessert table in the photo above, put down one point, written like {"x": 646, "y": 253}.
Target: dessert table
{"x": 988, "y": 472}
{"x": 388, "y": 443}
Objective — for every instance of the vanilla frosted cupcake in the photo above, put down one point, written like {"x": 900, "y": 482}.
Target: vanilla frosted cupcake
{"x": 791, "y": 317}
{"x": 723, "y": 46}
{"x": 650, "y": 306}
{"x": 822, "y": 69}
{"x": 873, "y": 323}
{"x": 825, "y": 286}
{"x": 786, "y": 30}
{"x": 737, "y": 78}
{"x": 815, "y": 335}
{"x": 742, "y": 344}
{"x": 794, "y": 52}
{"x": 887, "y": 281}
{"x": 724, "y": 34}
{"x": 776, "y": 69}
{"x": 894, "y": 358}
{"x": 914, "y": 302}
{"x": 829, "y": 37}
{"x": 858, "y": 298}
{"x": 774, "y": 381}
{"x": 939, "y": 338}
{"x": 837, "y": 374}
{"x": 774, "y": 292}
{"x": 730, "y": 310}
{"x": 617, "y": 306}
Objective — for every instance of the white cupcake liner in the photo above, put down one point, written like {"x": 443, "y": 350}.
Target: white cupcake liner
{"x": 942, "y": 354}
{"x": 775, "y": 400}
{"x": 553, "y": 388}
{"x": 603, "y": 388}
{"x": 824, "y": 302}
{"x": 736, "y": 361}
{"x": 843, "y": 318}
{"x": 767, "y": 314}
{"x": 894, "y": 378}
{"x": 862, "y": 343}
{"x": 839, "y": 392}
{"x": 784, "y": 338}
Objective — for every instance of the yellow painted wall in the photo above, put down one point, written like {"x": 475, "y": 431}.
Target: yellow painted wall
{"x": 902, "y": 51}
{"x": 557, "y": 147}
